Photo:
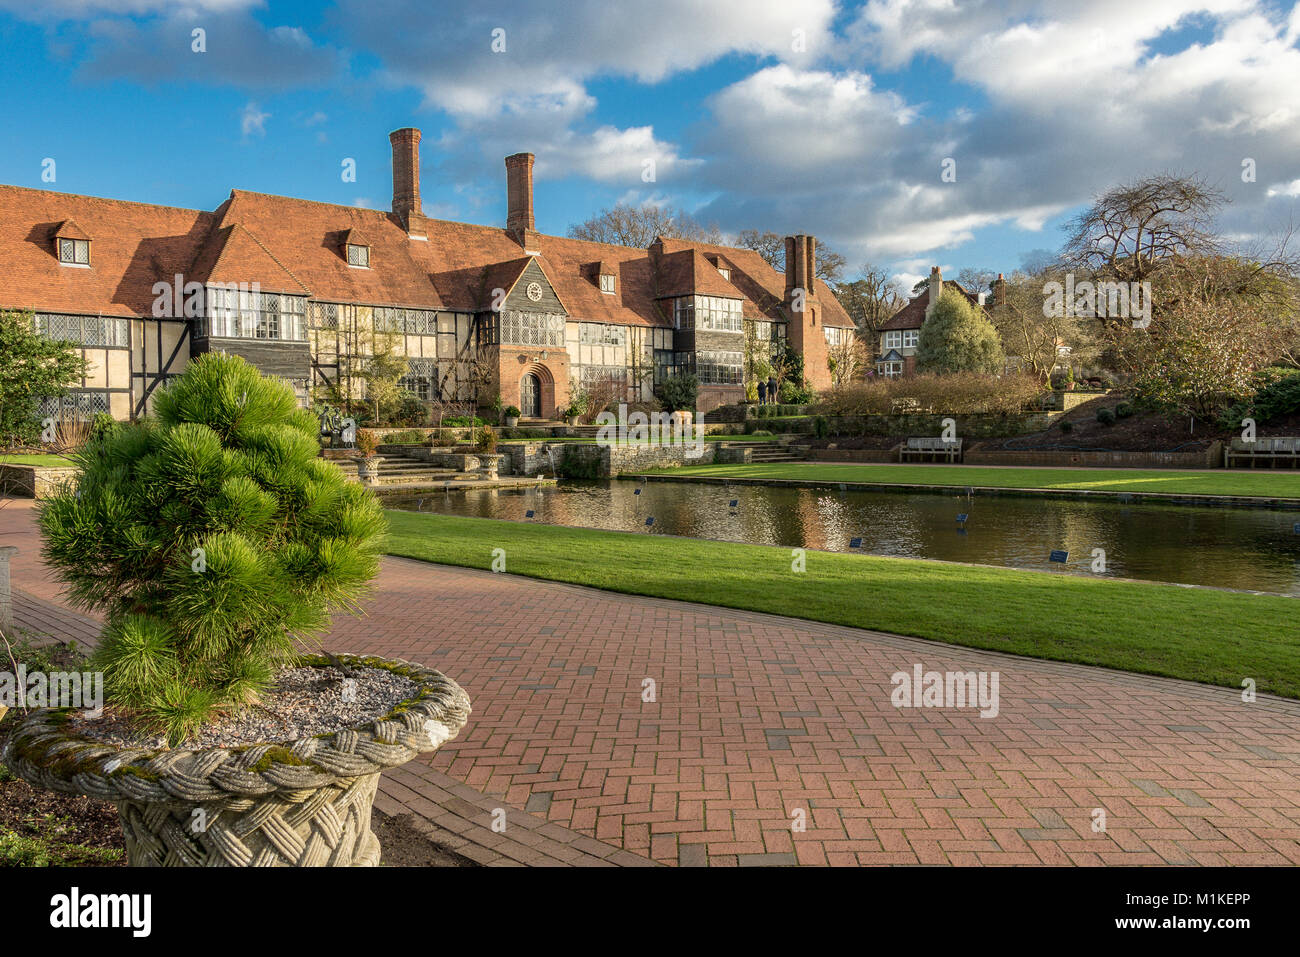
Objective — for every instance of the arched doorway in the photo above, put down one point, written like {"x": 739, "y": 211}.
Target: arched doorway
{"x": 530, "y": 395}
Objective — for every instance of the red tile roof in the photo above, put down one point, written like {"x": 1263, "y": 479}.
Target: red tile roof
{"x": 132, "y": 246}
{"x": 297, "y": 246}
{"x": 912, "y": 315}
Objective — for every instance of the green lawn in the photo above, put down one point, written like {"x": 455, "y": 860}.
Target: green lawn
{"x": 1262, "y": 483}
{"x": 1198, "y": 634}
{"x": 52, "y": 461}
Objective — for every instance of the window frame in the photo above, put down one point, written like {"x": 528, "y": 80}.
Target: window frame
{"x": 76, "y": 245}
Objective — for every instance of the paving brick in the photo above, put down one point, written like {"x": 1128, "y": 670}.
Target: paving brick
{"x": 759, "y": 715}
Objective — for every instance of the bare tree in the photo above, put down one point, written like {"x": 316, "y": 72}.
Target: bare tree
{"x": 1040, "y": 342}
{"x": 771, "y": 246}
{"x": 638, "y": 226}
{"x": 976, "y": 280}
{"x": 1132, "y": 230}
{"x": 847, "y": 359}
{"x": 871, "y": 300}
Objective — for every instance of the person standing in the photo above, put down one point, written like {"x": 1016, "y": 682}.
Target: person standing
{"x": 762, "y": 392}
{"x": 771, "y": 389}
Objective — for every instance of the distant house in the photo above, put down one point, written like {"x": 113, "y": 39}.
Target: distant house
{"x": 899, "y": 336}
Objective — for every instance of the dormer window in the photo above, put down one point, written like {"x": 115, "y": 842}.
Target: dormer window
{"x": 71, "y": 244}
{"x": 725, "y": 273}
{"x": 74, "y": 252}
{"x": 607, "y": 283}
{"x": 358, "y": 255}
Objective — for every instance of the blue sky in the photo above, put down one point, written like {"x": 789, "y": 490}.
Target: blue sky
{"x": 815, "y": 116}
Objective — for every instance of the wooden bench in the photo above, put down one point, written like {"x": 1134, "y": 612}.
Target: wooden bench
{"x": 1285, "y": 451}
{"x": 925, "y": 446}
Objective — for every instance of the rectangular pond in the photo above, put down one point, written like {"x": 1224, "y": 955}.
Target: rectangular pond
{"x": 1249, "y": 549}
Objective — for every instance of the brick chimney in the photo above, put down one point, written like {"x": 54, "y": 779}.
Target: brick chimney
{"x": 519, "y": 195}
{"x": 999, "y": 291}
{"x": 800, "y": 267}
{"x": 406, "y": 174}
{"x": 936, "y": 288}
{"x": 804, "y": 330}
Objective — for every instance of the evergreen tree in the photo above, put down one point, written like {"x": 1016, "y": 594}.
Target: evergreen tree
{"x": 215, "y": 542}
{"x": 956, "y": 337}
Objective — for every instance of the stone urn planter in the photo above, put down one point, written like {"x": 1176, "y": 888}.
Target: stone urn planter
{"x": 490, "y": 463}
{"x": 368, "y": 469}
{"x": 304, "y": 803}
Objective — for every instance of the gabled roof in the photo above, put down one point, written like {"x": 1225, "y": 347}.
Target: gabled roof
{"x": 912, "y": 315}
{"x": 70, "y": 230}
{"x": 135, "y": 245}
{"x": 686, "y": 271}
{"x": 297, "y": 246}
{"x": 761, "y": 285}
{"x": 234, "y": 255}
{"x": 306, "y": 239}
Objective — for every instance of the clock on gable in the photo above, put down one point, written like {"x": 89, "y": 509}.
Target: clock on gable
{"x": 534, "y": 291}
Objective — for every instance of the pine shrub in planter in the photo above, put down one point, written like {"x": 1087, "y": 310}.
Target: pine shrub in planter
{"x": 215, "y": 543}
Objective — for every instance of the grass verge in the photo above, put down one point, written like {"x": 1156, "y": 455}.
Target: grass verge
{"x": 49, "y": 461}
{"x": 1197, "y": 634}
{"x": 1264, "y": 484}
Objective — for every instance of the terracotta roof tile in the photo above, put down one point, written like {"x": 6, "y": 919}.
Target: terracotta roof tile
{"x": 133, "y": 245}
{"x": 912, "y": 315}
{"x": 297, "y": 246}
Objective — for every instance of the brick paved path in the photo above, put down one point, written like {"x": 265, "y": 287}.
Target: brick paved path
{"x": 758, "y": 721}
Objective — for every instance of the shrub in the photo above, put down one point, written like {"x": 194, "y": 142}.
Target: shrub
{"x": 821, "y": 428}
{"x": 512, "y": 412}
{"x": 213, "y": 540}
{"x": 1106, "y": 416}
{"x": 486, "y": 439}
{"x": 958, "y": 394}
{"x": 956, "y": 337}
{"x": 402, "y": 437}
{"x": 102, "y": 425}
{"x": 1067, "y": 426}
{"x": 367, "y": 442}
{"x": 678, "y": 392}
{"x": 1124, "y": 410}
{"x": 760, "y": 432}
{"x": 1278, "y": 399}
{"x": 792, "y": 393}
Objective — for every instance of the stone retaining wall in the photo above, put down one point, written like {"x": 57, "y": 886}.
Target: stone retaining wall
{"x": 1209, "y": 458}
{"x": 33, "y": 481}
{"x": 609, "y": 460}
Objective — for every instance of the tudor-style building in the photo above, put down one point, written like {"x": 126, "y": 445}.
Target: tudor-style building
{"x": 307, "y": 291}
{"x": 899, "y": 336}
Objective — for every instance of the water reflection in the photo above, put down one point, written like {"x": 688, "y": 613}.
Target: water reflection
{"x": 1252, "y": 549}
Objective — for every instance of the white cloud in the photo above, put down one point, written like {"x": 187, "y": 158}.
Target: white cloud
{"x": 252, "y": 120}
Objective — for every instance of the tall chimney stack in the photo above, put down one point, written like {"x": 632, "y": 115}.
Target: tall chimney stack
{"x": 800, "y": 265}
{"x": 406, "y": 173}
{"x": 519, "y": 193}
{"x": 936, "y": 288}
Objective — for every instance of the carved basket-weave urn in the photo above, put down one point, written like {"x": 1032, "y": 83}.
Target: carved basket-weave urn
{"x": 301, "y": 803}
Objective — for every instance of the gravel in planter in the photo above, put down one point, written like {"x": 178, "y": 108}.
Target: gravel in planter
{"x": 303, "y": 702}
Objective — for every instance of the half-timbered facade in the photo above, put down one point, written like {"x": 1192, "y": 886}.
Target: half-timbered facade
{"x": 310, "y": 291}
